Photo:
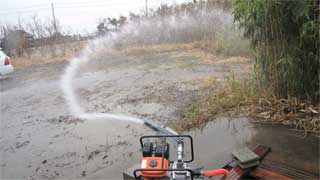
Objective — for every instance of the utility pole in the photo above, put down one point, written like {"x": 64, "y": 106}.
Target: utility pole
{"x": 146, "y": 7}
{"x": 54, "y": 19}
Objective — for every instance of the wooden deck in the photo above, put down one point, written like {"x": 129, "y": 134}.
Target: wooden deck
{"x": 272, "y": 170}
{"x": 268, "y": 170}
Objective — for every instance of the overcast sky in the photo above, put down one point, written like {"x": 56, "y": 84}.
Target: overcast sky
{"x": 78, "y": 16}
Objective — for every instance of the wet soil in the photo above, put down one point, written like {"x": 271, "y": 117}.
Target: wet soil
{"x": 224, "y": 135}
{"x": 40, "y": 140}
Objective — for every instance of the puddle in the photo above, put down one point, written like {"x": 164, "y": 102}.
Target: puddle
{"x": 215, "y": 142}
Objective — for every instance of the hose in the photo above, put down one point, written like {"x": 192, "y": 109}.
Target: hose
{"x": 214, "y": 172}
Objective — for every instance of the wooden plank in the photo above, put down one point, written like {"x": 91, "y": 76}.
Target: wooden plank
{"x": 302, "y": 174}
{"x": 261, "y": 173}
{"x": 283, "y": 170}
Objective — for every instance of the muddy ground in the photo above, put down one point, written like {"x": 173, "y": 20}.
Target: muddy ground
{"x": 40, "y": 140}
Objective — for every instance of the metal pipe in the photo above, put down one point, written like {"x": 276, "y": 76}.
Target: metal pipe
{"x": 158, "y": 128}
{"x": 180, "y": 151}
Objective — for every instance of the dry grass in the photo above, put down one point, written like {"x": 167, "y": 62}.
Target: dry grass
{"x": 196, "y": 49}
{"x": 22, "y": 62}
{"x": 271, "y": 109}
{"x": 149, "y": 48}
{"x": 241, "y": 98}
{"x": 233, "y": 59}
{"x": 198, "y": 53}
{"x": 44, "y": 55}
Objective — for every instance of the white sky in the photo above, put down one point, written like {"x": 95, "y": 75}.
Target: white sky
{"x": 78, "y": 16}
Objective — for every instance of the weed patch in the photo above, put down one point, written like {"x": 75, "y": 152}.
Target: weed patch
{"x": 243, "y": 98}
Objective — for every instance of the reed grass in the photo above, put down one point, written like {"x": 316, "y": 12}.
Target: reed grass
{"x": 285, "y": 38}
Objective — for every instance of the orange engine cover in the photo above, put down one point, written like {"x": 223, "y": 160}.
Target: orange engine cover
{"x": 154, "y": 163}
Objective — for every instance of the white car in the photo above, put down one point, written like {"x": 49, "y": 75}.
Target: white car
{"x": 5, "y": 64}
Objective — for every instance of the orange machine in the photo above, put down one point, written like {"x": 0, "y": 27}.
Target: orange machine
{"x": 154, "y": 163}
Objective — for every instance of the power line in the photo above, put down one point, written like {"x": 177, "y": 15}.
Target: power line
{"x": 64, "y": 5}
{"x": 92, "y": 5}
{"x": 48, "y": 5}
{"x": 23, "y": 12}
{"x": 84, "y": 2}
{"x": 26, "y": 7}
{"x": 57, "y": 7}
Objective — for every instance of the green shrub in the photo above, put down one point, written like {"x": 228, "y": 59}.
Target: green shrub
{"x": 285, "y": 37}
{"x": 229, "y": 41}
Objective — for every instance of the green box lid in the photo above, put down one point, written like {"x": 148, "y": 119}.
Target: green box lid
{"x": 245, "y": 155}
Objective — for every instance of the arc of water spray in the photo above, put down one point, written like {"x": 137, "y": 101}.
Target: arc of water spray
{"x": 72, "y": 99}
{"x": 74, "y": 105}
{"x": 154, "y": 29}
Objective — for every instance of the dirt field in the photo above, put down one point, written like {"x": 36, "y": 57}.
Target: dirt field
{"x": 40, "y": 140}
